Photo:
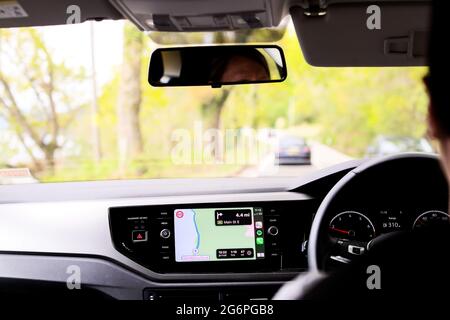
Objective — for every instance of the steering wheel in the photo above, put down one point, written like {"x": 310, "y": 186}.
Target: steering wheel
{"x": 382, "y": 176}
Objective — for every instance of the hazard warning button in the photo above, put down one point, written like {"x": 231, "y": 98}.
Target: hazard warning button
{"x": 139, "y": 235}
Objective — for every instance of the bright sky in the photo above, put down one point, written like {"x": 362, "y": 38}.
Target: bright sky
{"x": 72, "y": 43}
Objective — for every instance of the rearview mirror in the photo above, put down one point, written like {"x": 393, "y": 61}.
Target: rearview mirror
{"x": 216, "y": 66}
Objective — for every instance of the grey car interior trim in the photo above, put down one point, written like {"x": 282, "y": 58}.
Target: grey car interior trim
{"x": 317, "y": 175}
{"x": 124, "y": 189}
{"x": 54, "y": 12}
{"x": 97, "y": 274}
{"x": 341, "y": 38}
{"x": 197, "y": 16}
{"x": 39, "y": 15}
{"x": 82, "y": 228}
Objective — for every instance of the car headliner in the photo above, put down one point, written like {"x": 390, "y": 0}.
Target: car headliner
{"x": 338, "y": 37}
{"x": 40, "y": 15}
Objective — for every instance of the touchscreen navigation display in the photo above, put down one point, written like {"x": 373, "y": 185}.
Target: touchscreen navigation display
{"x": 218, "y": 234}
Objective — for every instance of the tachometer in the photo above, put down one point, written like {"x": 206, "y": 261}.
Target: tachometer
{"x": 352, "y": 225}
{"x": 431, "y": 218}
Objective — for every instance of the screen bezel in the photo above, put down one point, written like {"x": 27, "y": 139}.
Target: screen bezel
{"x": 212, "y": 208}
{"x": 147, "y": 255}
{"x": 218, "y": 266}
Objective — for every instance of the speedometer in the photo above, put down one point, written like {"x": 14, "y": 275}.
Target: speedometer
{"x": 431, "y": 218}
{"x": 352, "y": 225}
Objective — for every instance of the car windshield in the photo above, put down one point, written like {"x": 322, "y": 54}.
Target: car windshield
{"x": 75, "y": 105}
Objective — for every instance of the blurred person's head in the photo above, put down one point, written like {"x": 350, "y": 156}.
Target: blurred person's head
{"x": 437, "y": 81}
{"x": 241, "y": 66}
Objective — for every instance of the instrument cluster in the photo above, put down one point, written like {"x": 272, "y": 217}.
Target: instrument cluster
{"x": 365, "y": 225}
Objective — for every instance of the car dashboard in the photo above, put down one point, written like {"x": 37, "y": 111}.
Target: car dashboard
{"x": 213, "y": 243}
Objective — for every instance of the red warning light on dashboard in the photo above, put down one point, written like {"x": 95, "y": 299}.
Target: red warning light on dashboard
{"x": 139, "y": 235}
{"x": 179, "y": 214}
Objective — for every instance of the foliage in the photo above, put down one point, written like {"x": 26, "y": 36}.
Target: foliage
{"x": 345, "y": 108}
{"x": 35, "y": 99}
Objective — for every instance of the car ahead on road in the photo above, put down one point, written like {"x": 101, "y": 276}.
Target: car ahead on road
{"x": 293, "y": 150}
{"x": 383, "y": 146}
{"x": 139, "y": 195}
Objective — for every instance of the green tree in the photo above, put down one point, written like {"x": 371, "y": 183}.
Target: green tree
{"x": 130, "y": 96}
{"x": 35, "y": 95}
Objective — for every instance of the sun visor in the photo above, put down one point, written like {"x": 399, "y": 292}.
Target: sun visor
{"x": 27, "y": 13}
{"x": 353, "y": 35}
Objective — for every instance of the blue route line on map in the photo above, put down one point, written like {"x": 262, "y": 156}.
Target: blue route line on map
{"x": 196, "y": 230}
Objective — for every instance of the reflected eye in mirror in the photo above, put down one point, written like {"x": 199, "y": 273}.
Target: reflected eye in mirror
{"x": 217, "y": 65}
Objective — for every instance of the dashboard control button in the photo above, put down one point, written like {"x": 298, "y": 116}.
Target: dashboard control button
{"x": 165, "y": 234}
{"x": 274, "y": 254}
{"x": 166, "y": 257}
{"x": 164, "y": 223}
{"x": 165, "y": 247}
{"x": 273, "y": 231}
{"x": 273, "y": 219}
{"x": 356, "y": 250}
{"x": 139, "y": 236}
{"x": 164, "y": 214}
{"x": 273, "y": 244}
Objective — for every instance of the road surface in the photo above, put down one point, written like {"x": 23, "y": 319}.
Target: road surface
{"x": 321, "y": 157}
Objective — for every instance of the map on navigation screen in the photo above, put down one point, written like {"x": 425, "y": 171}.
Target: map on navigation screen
{"x": 218, "y": 234}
